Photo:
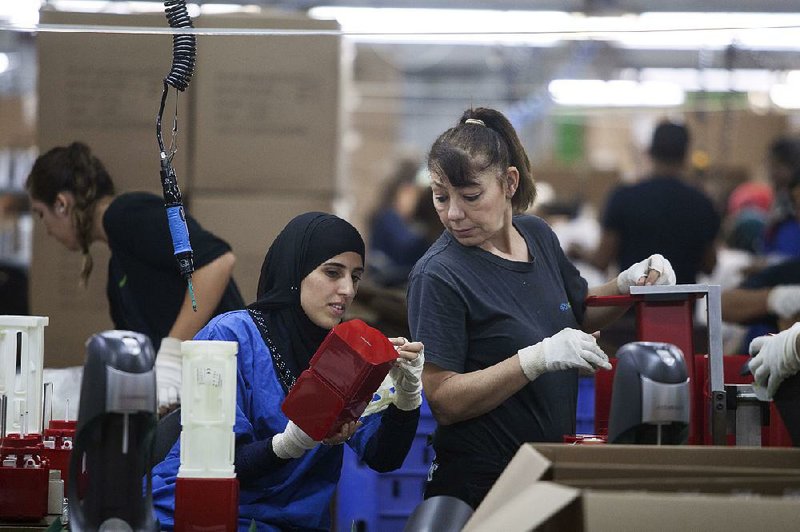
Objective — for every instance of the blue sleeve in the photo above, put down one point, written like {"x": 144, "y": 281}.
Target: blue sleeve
{"x": 164, "y": 476}
{"x": 437, "y": 317}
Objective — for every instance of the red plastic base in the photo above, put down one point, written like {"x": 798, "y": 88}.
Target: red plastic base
{"x": 62, "y": 432}
{"x": 206, "y": 504}
{"x": 23, "y": 484}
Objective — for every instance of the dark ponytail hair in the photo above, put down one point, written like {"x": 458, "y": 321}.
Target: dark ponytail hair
{"x": 463, "y": 151}
{"x": 72, "y": 169}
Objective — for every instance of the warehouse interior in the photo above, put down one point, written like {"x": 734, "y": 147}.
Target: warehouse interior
{"x": 305, "y": 105}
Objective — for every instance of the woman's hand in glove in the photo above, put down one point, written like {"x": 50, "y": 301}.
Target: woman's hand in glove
{"x": 653, "y": 270}
{"x": 775, "y": 358}
{"x": 407, "y": 373}
{"x": 567, "y": 349}
{"x": 292, "y": 442}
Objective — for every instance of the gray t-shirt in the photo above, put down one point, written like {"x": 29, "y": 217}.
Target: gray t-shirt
{"x": 473, "y": 309}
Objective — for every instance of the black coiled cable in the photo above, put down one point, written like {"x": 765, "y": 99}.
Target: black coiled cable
{"x": 184, "y": 47}
{"x": 184, "y": 52}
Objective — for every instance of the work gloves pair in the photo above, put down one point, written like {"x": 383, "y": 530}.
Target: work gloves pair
{"x": 406, "y": 376}
{"x": 775, "y": 359}
{"x": 574, "y": 349}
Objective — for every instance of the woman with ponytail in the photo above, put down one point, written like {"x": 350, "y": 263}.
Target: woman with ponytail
{"x": 501, "y": 310}
{"x": 74, "y": 196}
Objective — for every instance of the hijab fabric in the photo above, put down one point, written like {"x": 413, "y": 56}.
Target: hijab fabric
{"x": 307, "y": 241}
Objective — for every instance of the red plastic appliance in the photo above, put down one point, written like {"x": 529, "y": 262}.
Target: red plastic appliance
{"x": 347, "y": 368}
{"x": 24, "y": 477}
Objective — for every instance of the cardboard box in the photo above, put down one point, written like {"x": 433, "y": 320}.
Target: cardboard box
{"x": 17, "y": 120}
{"x": 249, "y": 223}
{"x": 104, "y": 89}
{"x": 524, "y": 499}
{"x": 75, "y": 312}
{"x": 267, "y": 108}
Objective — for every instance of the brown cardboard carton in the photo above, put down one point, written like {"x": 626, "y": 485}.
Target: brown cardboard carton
{"x": 249, "y": 223}
{"x": 267, "y": 108}
{"x": 104, "y": 89}
{"x": 523, "y": 498}
{"x": 75, "y": 312}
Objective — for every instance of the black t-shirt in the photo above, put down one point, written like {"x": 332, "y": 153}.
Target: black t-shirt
{"x": 662, "y": 215}
{"x": 473, "y": 310}
{"x": 145, "y": 289}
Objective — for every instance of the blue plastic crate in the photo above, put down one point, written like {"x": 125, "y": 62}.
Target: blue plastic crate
{"x": 368, "y": 501}
{"x": 399, "y": 492}
{"x": 584, "y": 413}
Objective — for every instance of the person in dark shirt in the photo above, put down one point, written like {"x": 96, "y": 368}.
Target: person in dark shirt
{"x": 396, "y": 241}
{"x": 661, "y": 214}
{"x": 501, "y": 310}
{"x": 73, "y": 195}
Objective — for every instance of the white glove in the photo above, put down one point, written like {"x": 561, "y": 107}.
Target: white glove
{"x": 784, "y": 301}
{"x": 632, "y": 275}
{"x": 407, "y": 377}
{"x": 292, "y": 442}
{"x": 168, "y": 372}
{"x": 567, "y": 349}
{"x": 775, "y": 358}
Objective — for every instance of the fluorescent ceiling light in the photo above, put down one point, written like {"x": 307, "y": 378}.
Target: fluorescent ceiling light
{"x": 670, "y": 31}
{"x": 615, "y": 93}
{"x": 459, "y": 26}
{"x": 5, "y": 62}
{"x": 787, "y": 95}
{"x": 103, "y": 6}
{"x": 709, "y": 79}
{"x": 675, "y": 30}
{"x": 22, "y": 12}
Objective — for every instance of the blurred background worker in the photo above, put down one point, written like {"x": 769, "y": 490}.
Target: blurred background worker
{"x": 73, "y": 195}
{"x": 397, "y": 240}
{"x": 783, "y": 163}
{"x": 660, "y": 214}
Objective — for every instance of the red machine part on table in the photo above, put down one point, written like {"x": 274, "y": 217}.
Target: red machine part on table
{"x": 664, "y": 314}
{"x": 26, "y": 472}
{"x": 349, "y": 365}
{"x": 57, "y": 449}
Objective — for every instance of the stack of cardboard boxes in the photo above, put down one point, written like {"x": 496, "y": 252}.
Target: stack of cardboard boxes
{"x": 259, "y": 133}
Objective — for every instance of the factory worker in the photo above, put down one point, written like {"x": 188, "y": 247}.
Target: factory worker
{"x": 73, "y": 195}
{"x": 501, "y": 310}
{"x": 308, "y": 281}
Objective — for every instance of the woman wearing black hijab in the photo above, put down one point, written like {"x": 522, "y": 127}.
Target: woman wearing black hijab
{"x": 309, "y": 277}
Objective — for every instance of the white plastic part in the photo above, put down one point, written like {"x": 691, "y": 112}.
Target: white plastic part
{"x": 208, "y": 409}
{"x": 23, "y": 390}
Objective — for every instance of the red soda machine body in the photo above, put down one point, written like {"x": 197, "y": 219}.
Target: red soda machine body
{"x": 349, "y": 365}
